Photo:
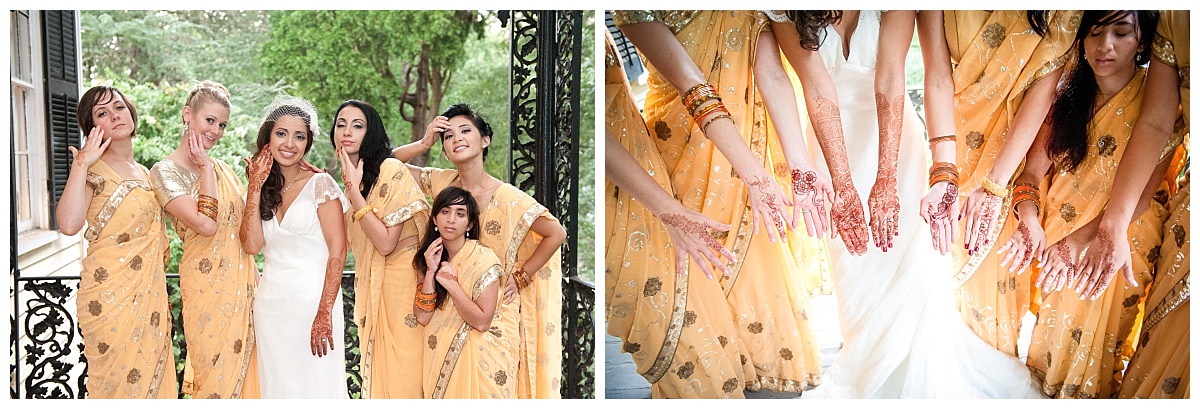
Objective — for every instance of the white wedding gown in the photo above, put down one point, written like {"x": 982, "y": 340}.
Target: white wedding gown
{"x": 902, "y": 335}
{"x": 285, "y": 304}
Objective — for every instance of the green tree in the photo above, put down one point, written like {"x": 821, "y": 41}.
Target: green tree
{"x": 400, "y": 62}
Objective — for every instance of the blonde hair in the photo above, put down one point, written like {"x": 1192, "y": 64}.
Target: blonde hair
{"x": 207, "y": 91}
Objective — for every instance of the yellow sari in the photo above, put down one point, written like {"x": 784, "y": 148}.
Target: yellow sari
{"x": 997, "y": 59}
{"x": 388, "y": 331}
{"x": 216, "y": 285}
{"x": 507, "y": 219}
{"x": 123, "y": 311}
{"x": 1160, "y": 368}
{"x": 661, "y": 317}
{"x": 769, "y": 302}
{"x": 1079, "y": 346}
{"x": 463, "y": 363}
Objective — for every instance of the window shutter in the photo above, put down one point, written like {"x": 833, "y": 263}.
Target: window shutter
{"x": 62, "y": 94}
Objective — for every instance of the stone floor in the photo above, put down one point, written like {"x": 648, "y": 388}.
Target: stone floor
{"x": 621, "y": 380}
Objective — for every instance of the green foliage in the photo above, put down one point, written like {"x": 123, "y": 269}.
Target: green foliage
{"x": 482, "y": 82}
{"x": 586, "y": 213}
{"x": 374, "y": 57}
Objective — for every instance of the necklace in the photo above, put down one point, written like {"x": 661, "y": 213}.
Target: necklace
{"x": 289, "y": 185}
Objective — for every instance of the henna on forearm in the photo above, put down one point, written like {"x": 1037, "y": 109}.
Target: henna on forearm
{"x": 333, "y": 273}
{"x": 891, "y": 119}
{"x": 827, "y": 122}
{"x": 691, "y": 227}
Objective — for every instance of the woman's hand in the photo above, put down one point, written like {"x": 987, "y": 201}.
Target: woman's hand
{"x": 351, "y": 174}
{"x": 1058, "y": 266}
{"x": 1107, "y": 253}
{"x": 510, "y": 291}
{"x": 767, "y": 201}
{"x": 447, "y": 276}
{"x": 884, "y": 202}
{"x": 982, "y": 210}
{"x": 809, "y": 192}
{"x": 436, "y": 128}
{"x": 196, "y": 152}
{"x": 259, "y": 167}
{"x": 847, "y": 217}
{"x": 689, "y": 230}
{"x": 939, "y": 209}
{"x": 1026, "y": 243}
{"x": 321, "y": 339}
{"x": 92, "y": 149}
{"x": 433, "y": 254}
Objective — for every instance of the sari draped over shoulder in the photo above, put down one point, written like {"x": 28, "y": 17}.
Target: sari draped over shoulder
{"x": 506, "y": 220}
{"x": 1172, "y": 46}
{"x": 1161, "y": 366}
{"x": 997, "y": 57}
{"x": 765, "y": 288}
{"x": 123, "y": 310}
{"x": 384, "y": 286}
{"x": 461, "y": 362}
{"x": 665, "y": 320}
{"x": 1079, "y": 347}
{"x": 216, "y": 285}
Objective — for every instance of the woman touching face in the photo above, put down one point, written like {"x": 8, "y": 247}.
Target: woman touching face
{"x": 349, "y": 129}
{"x": 453, "y": 222}
{"x": 462, "y": 140}
{"x": 209, "y": 120}
{"x": 113, "y": 116}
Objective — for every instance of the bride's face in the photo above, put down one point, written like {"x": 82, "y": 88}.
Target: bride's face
{"x": 452, "y": 222}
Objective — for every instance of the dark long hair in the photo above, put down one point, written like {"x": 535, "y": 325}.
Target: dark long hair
{"x": 1038, "y": 21}
{"x": 810, "y": 25}
{"x": 272, "y": 189}
{"x": 376, "y": 145}
{"x": 450, "y": 196}
{"x": 1075, "y": 104}
{"x": 461, "y": 109}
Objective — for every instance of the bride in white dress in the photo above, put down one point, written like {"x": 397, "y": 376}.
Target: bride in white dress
{"x": 298, "y": 304}
{"x": 902, "y": 334}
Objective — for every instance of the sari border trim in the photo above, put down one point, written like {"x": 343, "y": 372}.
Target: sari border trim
{"x": 975, "y": 260}
{"x": 520, "y": 231}
{"x": 666, "y": 354}
{"x": 95, "y": 226}
{"x": 451, "y": 359}
{"x": 1179, "y": 293}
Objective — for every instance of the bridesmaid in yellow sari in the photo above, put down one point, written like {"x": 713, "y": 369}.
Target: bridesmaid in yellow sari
{"x": 217, "y": 279}
{"x": 641, "y": 311}
{"x": 725, "y": 161}
{"x": 1160, "y": 368}
{"x": 123, "y": 311}
{"x": 519, "y": 230}
{"x": 1082, "y": 338}
{"x": 472, "y": 338}
{"x": 387, "y": 216}
{"x": 1006, "y": 66}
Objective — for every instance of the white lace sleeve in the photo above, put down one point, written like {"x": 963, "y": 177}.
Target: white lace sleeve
{"x": 778, "y": 16}
{"x": 325, "y": 189}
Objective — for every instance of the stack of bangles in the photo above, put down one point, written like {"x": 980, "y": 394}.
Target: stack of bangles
{"x": 522, "y": 278}
{"x": 425, "y": 301}
{"x": 699, "y": 95}
{"x": 940, "y": 139}
{"x": 1026, "y": 192}
{"x": 943, "y": 172}
{"x": 363, "y": 212}
{"x": 207, "y": 205}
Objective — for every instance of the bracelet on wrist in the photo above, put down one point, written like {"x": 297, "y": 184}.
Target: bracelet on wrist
{"x": 994, "y": 188}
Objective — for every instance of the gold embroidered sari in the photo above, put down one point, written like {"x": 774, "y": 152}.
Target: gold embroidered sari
{"x": 1160, "y": 368}
{"x": 1079, "y": 346}
{"x": 661, "y": 317}
{"x": 216, "y": 285}
{"x": 123, "y": 310}
{"x": 507, "y": 219}
{"x": 388, "y": 331}
{"x": 998, "y": 57}
{"x": 765, "y": 289}
{"x": 461, "y": 362}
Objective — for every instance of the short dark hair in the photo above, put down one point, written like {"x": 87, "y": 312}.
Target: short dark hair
{"x": 462, "y": 109}
{"x": 100, "y": 94}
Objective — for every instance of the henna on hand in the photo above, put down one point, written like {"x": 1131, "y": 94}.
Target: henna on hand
{"x": 692, "y": 227}
{"x": 762, "y": 183}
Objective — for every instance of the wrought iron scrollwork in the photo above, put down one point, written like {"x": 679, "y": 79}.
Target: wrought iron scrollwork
{"x": 546, "y": 58}
{"x": 50, "y": 362}
{"x": 353, "y": 353}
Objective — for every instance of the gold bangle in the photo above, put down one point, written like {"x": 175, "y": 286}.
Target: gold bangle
{"x": 993, "y": 187}
{"x": 714, "y": 107}
{"x": 699, "y": 91}
{"x": 363, "y": 212}
{"x": 944, "y": 138}
{"x": 704, "y": 127}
